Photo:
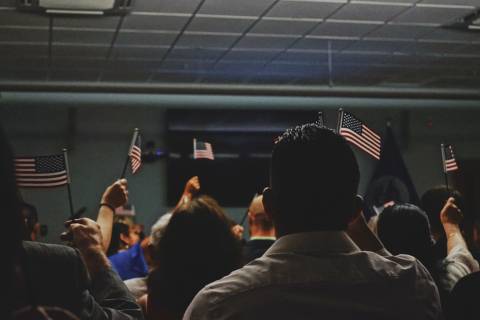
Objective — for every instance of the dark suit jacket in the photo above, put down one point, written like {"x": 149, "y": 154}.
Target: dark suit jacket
{"x": 254, "y": 249}
{"x": 56, "y": 276}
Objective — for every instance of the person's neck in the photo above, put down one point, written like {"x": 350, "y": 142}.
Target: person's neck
{"x": 262, "y": 233}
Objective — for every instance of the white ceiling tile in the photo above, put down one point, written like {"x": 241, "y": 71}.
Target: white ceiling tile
{"x": 79, "y": 50}
{"x": 83, "y": 36}
{"x": 219, "y": 25}
{"x": 400, "y": 31}
{"x": 283, "y": 27}
{"x": 252, "y": 55}
{"x": 370, "y": 12}
{"x": 153, "y": 39}
{"x": 321, "y": 44}
{"x": 23, "y": 35}
{"x": 378, "y": 46}
{"x": 305, "y": 57}
{"x": 250, "y": 41}
{"x": 175, "y": 6}
{"x": 154, "y": 22}
{"x": 343, "y": 29}
{"x": 444, "y": 34}
{"x": 235, "y": 7}
{"x": 206, "y": 41}
{"x": 474, "y": 3}
{"x": 123, "y": 52}
{"x": 299, "y": 10}
{"x": 23, "y": 49}
{"x": 202, "y": 54}
{"x": 108, "y": 22}
{"x": 12, "y": 17}
{"x": 431, "y": 15}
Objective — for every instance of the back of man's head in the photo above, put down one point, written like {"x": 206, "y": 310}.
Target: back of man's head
{"x": 314, "y": 180}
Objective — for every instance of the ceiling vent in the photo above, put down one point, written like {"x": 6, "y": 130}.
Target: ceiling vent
{"x": 77, "y": 7}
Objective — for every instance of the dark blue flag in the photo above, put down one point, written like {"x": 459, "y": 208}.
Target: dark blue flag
{"x": 391, "y": 182}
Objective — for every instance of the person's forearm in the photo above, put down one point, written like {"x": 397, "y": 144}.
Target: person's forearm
{"x": 454, "y": 237}
{"x": 105, "y": 220}
{"x": 95, "y": 260}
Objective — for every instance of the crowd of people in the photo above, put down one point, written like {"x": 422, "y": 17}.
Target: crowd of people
{"x": 311, "y": 254}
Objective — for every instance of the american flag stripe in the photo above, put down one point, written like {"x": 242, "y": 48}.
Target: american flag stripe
{"x": 202, "y": 150}
{"x": 41, "y": 171}
{"x": 354, "y": 138}
{"x": 355, "y": 132}
{"x": 370, "y": 145}
{"x": 136, "y": 155}
{"x": 449, "y": 162}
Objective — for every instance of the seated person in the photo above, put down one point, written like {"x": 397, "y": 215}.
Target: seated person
{"x": 262, "y": 231}
{"x": 79, "y": 280}
{"x": 315, "y": 269}
{"x": 197, "y": 247}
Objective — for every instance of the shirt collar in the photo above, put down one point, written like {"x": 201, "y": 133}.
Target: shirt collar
{"x": 262, "y": 238}
{"x": 314, "y": 242}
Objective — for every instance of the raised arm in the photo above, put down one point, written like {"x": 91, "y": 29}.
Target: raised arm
{"x": 451, "y": 216}
{"x": 192, "y": 187}
{"x": 115, "y": 195}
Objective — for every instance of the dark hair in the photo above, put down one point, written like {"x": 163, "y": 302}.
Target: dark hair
{"x": 197, "y": 248}
{"x": 314, "y": 179}
{"x": 11, "y": 235}
{"x": 116, "y": 243}
{"x": 434, "y": 199}
{"x": 30, "y": 215}
{"x": 404, "y": 229}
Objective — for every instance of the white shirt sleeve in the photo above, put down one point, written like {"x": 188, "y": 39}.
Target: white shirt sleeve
{"x": 458, "y": 264}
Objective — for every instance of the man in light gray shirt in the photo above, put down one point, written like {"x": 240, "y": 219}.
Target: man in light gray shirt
{"x": 326, "y": 263}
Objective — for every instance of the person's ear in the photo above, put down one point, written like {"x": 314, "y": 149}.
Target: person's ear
{"x": 268, "y": 203}
{"x": 357, "y": 207}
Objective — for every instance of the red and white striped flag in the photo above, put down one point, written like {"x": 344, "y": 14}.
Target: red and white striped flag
{"x": 202, "y": 150}
{"x": 449, "y": 162}
{"x": 41, "y": 171}
{"x": 357, "y": 133}
{"x": 136, "y": 153}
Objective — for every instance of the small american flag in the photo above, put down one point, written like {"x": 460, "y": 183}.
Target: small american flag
{"x": 136, "y": 153}
{"x": 41, "y": 171}
{"x": 354, "y": 131}
{"x": 202, "y": 150}
{"x": 449, "y": 162}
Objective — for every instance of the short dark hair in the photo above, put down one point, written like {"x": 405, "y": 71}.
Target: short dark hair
{"x": 314, "y": 179}
{"x": 434, "y": 199}
{"x": 118, "y": 228}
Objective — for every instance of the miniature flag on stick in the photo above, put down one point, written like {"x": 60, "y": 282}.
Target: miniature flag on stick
{"x": 44, "y": 172}
{"x": 134, "y": 156}
{"x": 202, "y": 150}
{"x": 357, "y": 133}
{"x": 448, "y": 161}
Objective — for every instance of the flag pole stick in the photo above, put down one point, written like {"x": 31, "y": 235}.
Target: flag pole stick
{"x": 125, "y": 166}
{"x": 69, "y": 190}
{"x": 321, "y": 118}
{"x": 340, "y": 119}
{"x": 442, "y": 146}
{"x": 246, "y": 211}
